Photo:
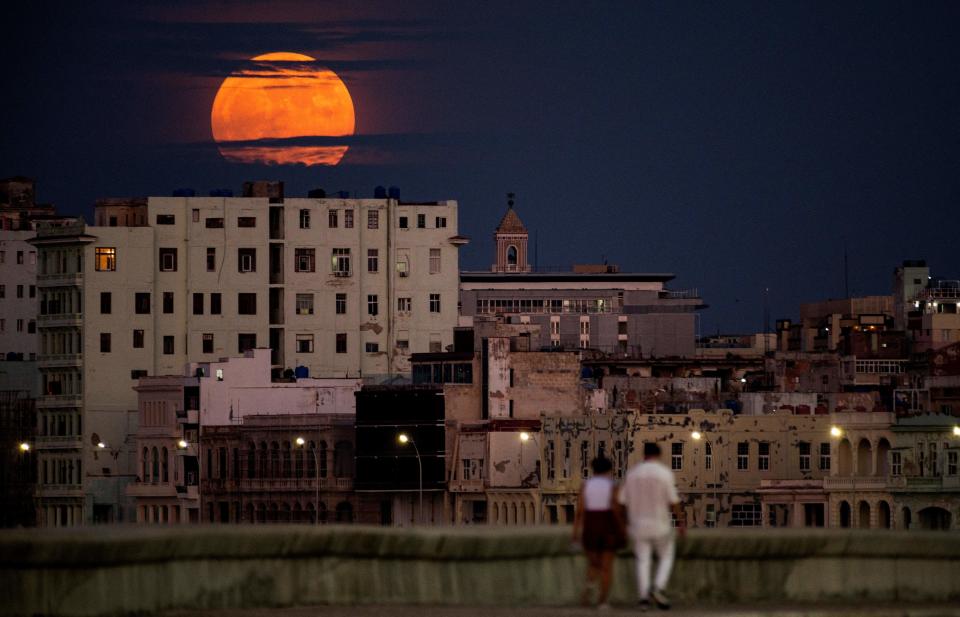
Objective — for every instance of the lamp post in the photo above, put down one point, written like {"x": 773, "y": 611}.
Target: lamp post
{"x": 405, "y": 439}
{"x": 697, "y": 436}
{"x": 301, "y": 442}
{"x": 524, "y": 438}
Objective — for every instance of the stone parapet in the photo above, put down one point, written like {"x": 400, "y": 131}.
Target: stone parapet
{"x": 145, "y": 570}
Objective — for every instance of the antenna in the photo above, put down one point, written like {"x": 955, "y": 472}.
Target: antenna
{"x": 536, "y": 251}
{"x": 846, "y": 271}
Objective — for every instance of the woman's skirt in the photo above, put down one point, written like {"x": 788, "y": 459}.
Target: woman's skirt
{"x": 601, "y": 531}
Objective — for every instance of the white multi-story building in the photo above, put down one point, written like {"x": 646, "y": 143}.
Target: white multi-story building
{"x": 339, "y": 287}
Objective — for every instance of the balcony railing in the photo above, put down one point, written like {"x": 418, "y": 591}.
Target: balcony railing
{"x": 59, "y": 320}
{"x": 60, "y": 359}
{"x": 63, "y": 278}
{"x": 295, "y": 484}
{"x": 59, "y": 442}
{"x": 835, "y": 483}
{"x": 60, "y": 400}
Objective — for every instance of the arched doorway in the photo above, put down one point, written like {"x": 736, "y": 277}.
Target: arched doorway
{"x": 934, "y": 518}
{"x": 845, "y": 458}
{"x": 883, "y": 453}
{"x": 863, "y": 515}
{"x": 864, "y": 464}
{"x": 883, "y": 515}
{"x": 844, "y": 514}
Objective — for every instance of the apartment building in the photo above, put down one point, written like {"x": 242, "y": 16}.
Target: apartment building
{"x": 334, "y": 287}
{"x": 590, "y": 307}
{"x": 224, "y": 443}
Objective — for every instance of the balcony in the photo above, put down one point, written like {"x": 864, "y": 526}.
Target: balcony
{"x": 146, "y": 489}
{"x": 59, "y": 442}
{"x": 60, "y": 360}
{"x": 837, "y": 483}
{"x": 467, "y": 486}
{"x": 60, "y": 320}
{"x": 188, "y": 416}
{"x": 59, "y": 490}
{"x": 925, "y": 485}
{"x": 60, "y": 400}
{"x": 60, "y": 279}
{"x": 188, "y": 492}
{"x": 295, "y": 484}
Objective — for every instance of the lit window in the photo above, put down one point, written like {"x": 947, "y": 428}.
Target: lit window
{"x": 247, "y": 260}
{"x": 304, "y": 304}
{"x": 340, "y": 262}
{"x": 105, "y": 259}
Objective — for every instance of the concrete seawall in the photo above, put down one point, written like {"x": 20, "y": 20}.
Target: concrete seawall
{"x": 118, "y": 571}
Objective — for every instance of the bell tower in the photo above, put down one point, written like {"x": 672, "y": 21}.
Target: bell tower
{"x": 511, "y": 240}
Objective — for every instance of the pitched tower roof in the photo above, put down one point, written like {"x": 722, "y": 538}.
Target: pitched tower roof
{"x": 511, "y": 223}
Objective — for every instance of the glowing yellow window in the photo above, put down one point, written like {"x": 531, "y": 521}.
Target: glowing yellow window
{"x": 106, "y": 258}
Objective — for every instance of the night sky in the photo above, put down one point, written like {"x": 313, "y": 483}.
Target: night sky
{"x": 738, "y": 145}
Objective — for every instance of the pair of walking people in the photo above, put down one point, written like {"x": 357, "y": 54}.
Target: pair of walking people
{"x": 641, "y": 508}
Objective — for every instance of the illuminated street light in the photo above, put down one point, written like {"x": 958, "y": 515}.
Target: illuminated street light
{"x": 182, "y": 444}
{"x": 25, "y": 447}
{"x": 696, "y": 435}
{"x": 524, "y": 436}
{"x": 836, "y": 431}
{"x": 102, "y": 445}
{"x": 301, "y": 442}
{"x": 956, "y": 431}
{"x": 404, "y": 439}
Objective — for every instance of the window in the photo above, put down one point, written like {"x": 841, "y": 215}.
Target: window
{"x": 403, "y": 267}
{"x": 138, "y": 339}
{"x": 168, "y": 345}
{"x": 3, "y": 291}
{"x": 304, "y": 343}
{"x": 676, "y": 456}
{"x": 168, "y": 302}
{"x": 440, "y": 222}
{"x": 403, "y": 342}
{"x": 372, "y": 347}
{"x": 404, "y": 305}
{"x": 32, "y": 291}
{"x": 104, "y": 342}
{"x": 372, "y": 304}
{"x": 214, "y": 223}
{"x": 952, "y": 457}
{"x": 622, "y": 327}
{"x": 421, "y": 221}
{"x": 304, "y": 219}
{"x": 341, "y": 262}
{"x": 168, "y": 260}
{"x": 305, "y": 260}
{"x": 246, "y": 303}
{"x": 304, "y": 304}
{"x": 137, "y": 373}
{"x": 332, "y": 219}
{"x": 215, "y": 304}
{"x": 743, "y": 456}
{"x": 198, "y": 304}
{"x": 166, "y": 219}
{"x": 342, "y": 342}
{"x": 896, "y": 464}
{"x": 141, "y": 303}
{"x": 247, "y": 260}
{"x": 763, "y": 456}
{"x": 196, "y": 215}
{"x": 105, "y": 259}
{"x": 707, "y": 456}
{"x": 246, "y": 341}
{"x": 804, "y": 455}
{"x": 105, "y": 302}
{"x": 246, "y": 221}
{"x": 710, "y": 516}
{"x": 825, "y": 456}
{"x": 373, "y": 260}
{"x": 20, "y": 257}
{"x": 19, "y": 291}
{"x": 373, "y": 219}
{"x": 434, "y": 261}
{"x": 207, "y": 343}
{"x": 348, "y": 219}
{"x": 341, "y": 304}
{"x": 745, "y": 515}
{"x": 402, "y": 222}
{"x": 584, "y": 459}
{"x": 434, "y": 303}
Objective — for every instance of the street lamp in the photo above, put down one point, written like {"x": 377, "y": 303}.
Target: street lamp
{"x": 524, "y": 438}
{"x": 956, "y": 431}
{"x": 405, "y": 439}
{"x": 182, "y": 444}
{"x": 301, "y": 442}
{"x": 697, "y": 436}
{"x": 24, "y": 446}
{"x": 836, "y": 431}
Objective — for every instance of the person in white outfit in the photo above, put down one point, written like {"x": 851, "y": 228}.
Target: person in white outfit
{"x": 649, "y": 494}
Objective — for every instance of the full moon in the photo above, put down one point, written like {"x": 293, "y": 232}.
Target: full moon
{"x": 282, "y": 95}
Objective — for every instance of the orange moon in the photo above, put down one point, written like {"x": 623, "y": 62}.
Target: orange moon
{"x": 281, "y": 96}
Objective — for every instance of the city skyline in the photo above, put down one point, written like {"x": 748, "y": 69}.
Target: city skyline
{"x": 745, "y": 148}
